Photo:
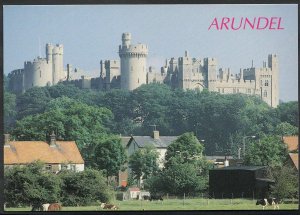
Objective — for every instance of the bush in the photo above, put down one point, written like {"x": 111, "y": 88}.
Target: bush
{"x": 84, "y": 188}
{"x": 30, "y": 185}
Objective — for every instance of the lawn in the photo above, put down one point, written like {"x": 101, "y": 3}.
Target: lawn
{"x": 178, "y": 204}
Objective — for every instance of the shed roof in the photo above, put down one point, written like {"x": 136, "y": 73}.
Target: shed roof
{"x": 162, "y": 142}
{"x": 291, "y": 142}
{"x": 24, "y": 152}
{"x": 250, "y": 168}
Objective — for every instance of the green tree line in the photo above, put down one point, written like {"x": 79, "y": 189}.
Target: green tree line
{"x": 221, "y": 120}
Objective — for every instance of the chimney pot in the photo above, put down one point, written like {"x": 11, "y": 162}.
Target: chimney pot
{"x": 156, "y": 135}
{"x": 6, "y": 139}
{"x": 52, "y": 139}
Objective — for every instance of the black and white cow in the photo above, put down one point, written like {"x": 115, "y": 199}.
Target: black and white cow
{"x": 156, "y": 197}
{"x": 268, "y": 201}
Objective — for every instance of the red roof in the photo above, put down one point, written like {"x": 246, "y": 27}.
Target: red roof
{"x": 291, "y": 142}
{"x": 134, "y": 189}
{"x": 24, "y": 152}
{"x": 295, "y": 159}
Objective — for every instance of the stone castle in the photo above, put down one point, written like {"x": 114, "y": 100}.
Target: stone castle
{"x": 131, "y": 71}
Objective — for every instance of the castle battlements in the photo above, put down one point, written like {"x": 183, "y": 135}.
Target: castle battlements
{"x": 130, "y": 71}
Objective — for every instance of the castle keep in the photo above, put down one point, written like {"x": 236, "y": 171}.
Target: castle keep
{"x": 40, "y": 72}
{"x": 130, "y": 72}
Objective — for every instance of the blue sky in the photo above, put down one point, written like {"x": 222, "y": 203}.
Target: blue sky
{"x": 91, "y": 33}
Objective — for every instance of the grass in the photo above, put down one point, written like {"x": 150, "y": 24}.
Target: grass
{"x": 178, "y": 204}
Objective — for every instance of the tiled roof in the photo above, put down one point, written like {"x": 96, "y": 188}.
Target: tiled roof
{"x": 291, "y": 142}
{"x": 295, "y": 158}
{"x": 162, "y": 142}
{"x": 133, "y": 189}
{"x": 24, "y": 152}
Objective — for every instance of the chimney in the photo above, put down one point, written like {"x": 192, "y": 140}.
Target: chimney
{"x": 6, "y": 140}
{"x": 156, "y": 135}
{"x": 52, "y": 140}
{"x": 226, "y": 162}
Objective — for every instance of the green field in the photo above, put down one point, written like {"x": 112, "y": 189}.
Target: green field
{"x": 178, "y": 204}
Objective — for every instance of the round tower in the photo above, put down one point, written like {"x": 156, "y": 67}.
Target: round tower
{"x": 133, "y": 63}
{"x": 41, "y": 73}
{"x": 57, "y": 62}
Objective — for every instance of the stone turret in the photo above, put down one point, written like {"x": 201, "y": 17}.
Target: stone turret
{"x": 133, "y": 63}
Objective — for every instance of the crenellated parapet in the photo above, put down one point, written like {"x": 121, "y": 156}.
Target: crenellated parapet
{"x": 137, "y": 51}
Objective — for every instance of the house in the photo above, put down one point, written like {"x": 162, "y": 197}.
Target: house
{"x": 293, "y": 147}
{"x": 161, "y": 144}
{"x": 56, "y": 155}
{"x": 239, "y": 182}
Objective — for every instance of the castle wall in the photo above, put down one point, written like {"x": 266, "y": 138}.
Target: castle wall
{"x": 133, "y": 63}
{"x": 236, "y": 86}
{"x": 113, "y": 73}
{"x": 155, "y": 77}
{"x": 16, "y": 81}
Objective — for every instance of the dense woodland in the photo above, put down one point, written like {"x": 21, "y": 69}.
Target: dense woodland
{"x": 88, "y": 116}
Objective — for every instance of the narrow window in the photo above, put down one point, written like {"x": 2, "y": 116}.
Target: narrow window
{"x": 138, "y": 80}
{"x": 265, "y": 93}
{"x": 40, "y": 74}
{"x": 266, "y": 83}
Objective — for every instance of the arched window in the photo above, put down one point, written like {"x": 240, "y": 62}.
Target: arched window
{"x": 265, "y": 93}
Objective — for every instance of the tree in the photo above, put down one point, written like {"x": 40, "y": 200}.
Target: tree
{"x": 86, "y": 96}
{"x": 286, "y": 182}
{"x": 83, "y": 188}
{"x": 149, "y": 105}
{"x": 268, "y": 151}
{"x": 30, "y": 185}
{"x": 186, "y": 148}
{"x": 143, "y": 163}
{"x": 183, "y": 178}
{"x": 33, "y": 101}
{"x": 9, "y": 109}
{"x": 289, "y": 112}
{"x": 286, "y": 129}
{"x": 71, "y": 120}
{"x": 109, "y": 156}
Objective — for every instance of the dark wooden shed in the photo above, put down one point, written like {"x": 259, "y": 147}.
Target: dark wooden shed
{"x": 238, "y": 182}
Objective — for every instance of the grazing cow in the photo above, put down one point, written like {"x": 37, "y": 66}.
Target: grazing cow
{"x": 268, "y": 201}
{"x": 108, "y": 206}
{"x": 45, "y": 207}
{"x": 37, "y": 207}
{"x": 54, "y": 207}
{"x": 146, "y": 197}
{"x": 155, "y": 197}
